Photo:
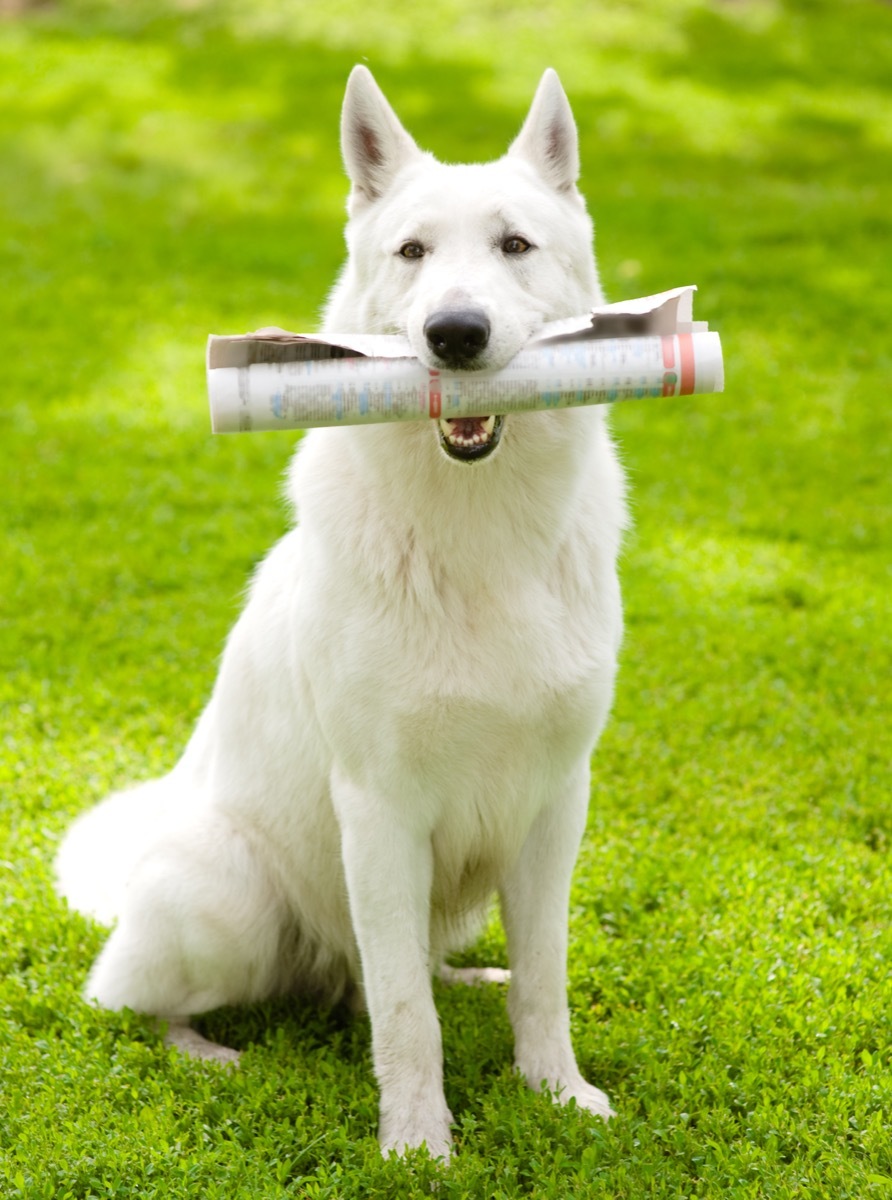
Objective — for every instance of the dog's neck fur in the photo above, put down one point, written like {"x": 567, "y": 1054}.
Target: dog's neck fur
{"x": 457, "y": 532}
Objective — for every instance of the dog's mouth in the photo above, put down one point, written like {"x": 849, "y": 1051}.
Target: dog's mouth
{"x": 470, "y": 439}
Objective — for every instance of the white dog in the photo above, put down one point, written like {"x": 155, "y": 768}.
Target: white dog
{"x": 405, "y": 712}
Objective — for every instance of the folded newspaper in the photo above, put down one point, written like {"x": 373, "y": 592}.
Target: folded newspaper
{"x": 273, "y": 379}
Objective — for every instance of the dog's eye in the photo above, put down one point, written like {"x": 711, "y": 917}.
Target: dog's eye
{"x": 516, "y": 245}
{"x": 412, "y": 250}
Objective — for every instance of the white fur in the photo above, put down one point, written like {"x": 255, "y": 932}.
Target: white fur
{"x": 404, "y": 714}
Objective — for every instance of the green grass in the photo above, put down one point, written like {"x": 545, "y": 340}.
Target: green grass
{"x": 168, "y": 170}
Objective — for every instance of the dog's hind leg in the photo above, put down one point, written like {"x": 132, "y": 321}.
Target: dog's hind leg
{"x": 200, "y": 927}
{"x": 191, "y": 1042}
{"x": 472, "y": 976}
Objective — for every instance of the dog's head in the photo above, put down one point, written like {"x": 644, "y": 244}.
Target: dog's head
{"x": 468, "y": 261}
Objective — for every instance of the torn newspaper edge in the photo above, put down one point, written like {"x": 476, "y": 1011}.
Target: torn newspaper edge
{"x": 273, "y": 379}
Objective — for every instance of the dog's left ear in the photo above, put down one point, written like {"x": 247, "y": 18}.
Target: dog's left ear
{"x": 373, "y": 142}
{"x": 548, "y": 138}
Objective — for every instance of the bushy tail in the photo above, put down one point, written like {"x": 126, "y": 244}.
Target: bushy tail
{"x": 100, "y": 850}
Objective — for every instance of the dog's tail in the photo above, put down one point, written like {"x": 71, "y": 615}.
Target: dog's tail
{"x": 100, "y": 850}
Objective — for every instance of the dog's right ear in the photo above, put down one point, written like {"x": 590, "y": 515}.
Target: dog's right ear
{"x": 373, "y": 142}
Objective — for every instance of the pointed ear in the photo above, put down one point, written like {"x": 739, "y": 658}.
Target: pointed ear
{"x": 373, "y": 142}
{"x": 548, "y": 138}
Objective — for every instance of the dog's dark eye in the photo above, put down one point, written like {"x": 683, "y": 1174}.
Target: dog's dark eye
{"x": 516, "y": 245}
{"x": 412, "y": 250}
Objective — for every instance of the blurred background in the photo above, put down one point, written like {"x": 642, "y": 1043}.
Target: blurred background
{"x": 171, "y": 169}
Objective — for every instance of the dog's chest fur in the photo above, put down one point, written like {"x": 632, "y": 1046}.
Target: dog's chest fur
{"x": 473, "y": 664}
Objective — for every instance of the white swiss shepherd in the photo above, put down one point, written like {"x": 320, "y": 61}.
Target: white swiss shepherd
{"x": 405, "y": 711}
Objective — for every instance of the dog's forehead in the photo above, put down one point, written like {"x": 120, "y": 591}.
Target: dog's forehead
{"x": 451, "y": 195}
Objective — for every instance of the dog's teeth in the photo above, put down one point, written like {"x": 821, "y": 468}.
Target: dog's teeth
{"x": 455, "y": 430}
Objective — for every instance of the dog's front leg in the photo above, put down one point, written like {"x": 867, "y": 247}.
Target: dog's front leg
{"x": 535, "y": 900}
{"x": 388, "y": 863}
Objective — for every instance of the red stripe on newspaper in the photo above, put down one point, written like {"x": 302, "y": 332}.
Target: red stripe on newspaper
{"x": 669, "y": 351}
{"x": 436, "y": 395}
{"x": 686, "y": 352}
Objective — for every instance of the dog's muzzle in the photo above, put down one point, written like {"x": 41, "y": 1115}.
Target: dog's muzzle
{"x": 457, "y": 337}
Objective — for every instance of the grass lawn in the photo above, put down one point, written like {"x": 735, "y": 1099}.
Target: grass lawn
{"x": 170, "y": 169}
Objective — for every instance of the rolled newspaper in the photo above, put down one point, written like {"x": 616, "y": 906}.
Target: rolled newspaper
{"x": 273, "y": 379}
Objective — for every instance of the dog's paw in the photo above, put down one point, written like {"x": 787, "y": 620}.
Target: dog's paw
{"x": 413, "y": 1130}
{"x": 564, "y": 1086}
{"x": 587, "y": 1096}
{"x": 189, "y": 1041}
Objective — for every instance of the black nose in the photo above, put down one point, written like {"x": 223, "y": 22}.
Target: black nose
{"x": 457, "y": 335}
